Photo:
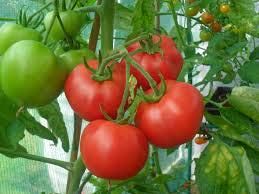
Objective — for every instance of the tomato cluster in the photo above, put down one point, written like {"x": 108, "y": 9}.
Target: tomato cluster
{"x": 119, "y": 151}
{"x": 32, "y": 76}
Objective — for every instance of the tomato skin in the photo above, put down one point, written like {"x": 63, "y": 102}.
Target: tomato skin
{"x": 74, "y": 57}
{"x": 207, "y": 18}
{"x": 85, "y": 95}
{"x": 192, "y": 11}
{"x": 175, "y": 119}
{"x": 72, "y": 21}
{"x": 31, "y": 75}
{"x": 205, "y": 35}
{"x": 169, "y": 64}
{"x": 224, "y": 8}
{"x": 216, "y": 27}
{"x": 113, "y": 151}
{"x": 11, "y": 33}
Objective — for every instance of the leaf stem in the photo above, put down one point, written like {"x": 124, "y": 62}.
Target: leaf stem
{"x": 62, "y": 164}
{"x": 7, "y": 19}
{"x": 88, "y": 9}
{"x": 85, "y": 180}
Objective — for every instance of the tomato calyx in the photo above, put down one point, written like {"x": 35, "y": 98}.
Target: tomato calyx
{"x": 151, "y": 47}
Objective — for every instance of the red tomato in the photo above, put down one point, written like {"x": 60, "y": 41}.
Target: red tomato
{"x": 86, "y": 95}
{"x": 216, "y": 27}
{"x": 113, "y": 151}
{"x": 169, "y": 63}
{"x": 207, "y": 18}
{"x": 175, "y": 119}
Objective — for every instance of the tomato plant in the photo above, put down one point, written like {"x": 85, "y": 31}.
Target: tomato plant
{"x": 86, "y": 96}
{"x": 168, "y": 61}
{"x": 72, "y": 21}
{"x": 207, "y": 18}
{"x": 175, "y": 119}
{"x": 122, "y": 156}
{"x": 11, "y": 33}
{"x": 31, "y": 74}
{"x": 144, "y": 85}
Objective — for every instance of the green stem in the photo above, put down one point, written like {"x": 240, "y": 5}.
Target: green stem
{"x": 62, "y": 164}
{"x": 95, "y": 30}
{"x": 7, "y": 19}
{"x": 158, "y": 167}
{"x": 121, "y": 110}
{"x": 157, "y": 22}
{"x": 37, "y": 12}
{"x": 77, "y": 173}
{"x": 107, "y": 21}
{"x": 75, "y": 145}
{"x": 49, "y": 29}
{"x": 85, "y": 180}
{"x": 88, "y": 9}
{"x": 150, "y": 80}
{"x": 63, "y": 5}
{"x": 179, "y": 34}
{"x": 190, "y": 77}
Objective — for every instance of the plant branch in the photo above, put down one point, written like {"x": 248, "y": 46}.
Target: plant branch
{"x": 88, "y": 9}
{"x": 62, "y": 164}
{"x": 85, "y": 180}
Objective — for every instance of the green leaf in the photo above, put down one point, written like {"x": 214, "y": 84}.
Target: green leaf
{"x": 143, "y": 17}
{"x": 35, "y": 128}
{"x": 254, "y": 55}
{"x": 123, "y": 17}
{"x": 250, "y": 71}
{"x": 247, "y": 136}
{"x": 224, "y": 169}
{"x": 56, "y": 122}
{"x": 247, "y": 106}
{"x": 246, "y": 92}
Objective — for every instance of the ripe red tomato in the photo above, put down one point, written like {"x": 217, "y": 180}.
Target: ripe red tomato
{"x": 113, "y": 151}
{"x": 207, "y": 18}
{"x": 169, "y": 63}
{"x": 175, "y": 119}
{"x": 216, "y": 27}
{"x": 224, "y": 8}
{"x": 85, "y": 95}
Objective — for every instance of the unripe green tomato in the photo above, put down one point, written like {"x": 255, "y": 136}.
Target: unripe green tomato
{"x": 0, "y": 72}
{"x": 192, "y": 11}
{"x": 74, "y": 57}
{"x": 73, "y": 22}
{"x": 205, "y": 35}
{"x": 31, "y": 74}
{"x": 11, "y": 33}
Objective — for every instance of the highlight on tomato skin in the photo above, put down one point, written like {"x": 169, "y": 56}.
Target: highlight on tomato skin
{"x": 113, "y": 151}
{"x": 173, "y": 120}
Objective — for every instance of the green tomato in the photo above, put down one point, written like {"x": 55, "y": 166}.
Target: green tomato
{"x": 11, "y": 33}
{"x": 192, "y": 11}
{"x": 205, "y": 35}
{"x": 72, "y": 21}
{"x": 0, "y": 72}
{"x": 31, "y": 74}
{"x": 75, "y": 57}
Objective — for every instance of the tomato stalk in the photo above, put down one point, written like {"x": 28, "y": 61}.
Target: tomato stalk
{"x": 107, "y": 21}
{"x": 120, "y": 112}
{"x": 85, "y": 180}
{"x": 151, "y": 81}
{"x": 39, "y": 11}
{"x": 158, "y": 167}
{"x": 179, "y": 34}
{"x": 75, "y": 144}
{"x": 62, "y": 164}
{"x": 77, "y": 173}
